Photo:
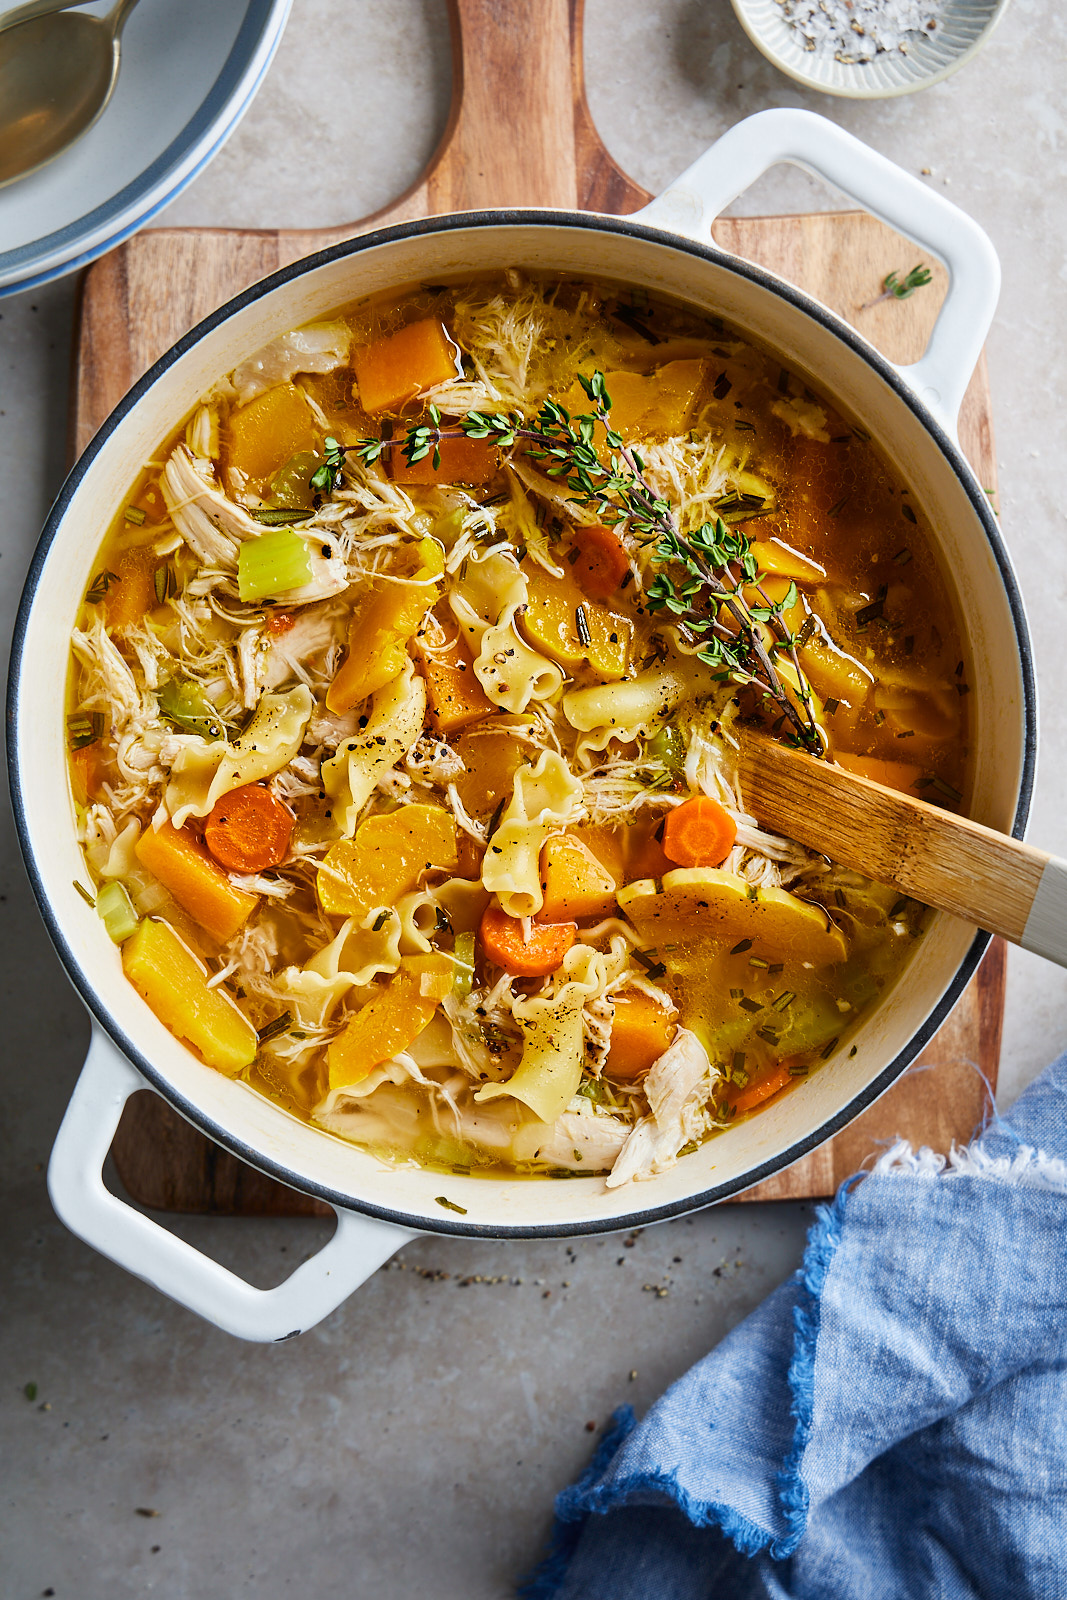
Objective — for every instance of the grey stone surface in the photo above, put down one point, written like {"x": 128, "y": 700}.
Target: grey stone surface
{"x": 411, "y": 1445}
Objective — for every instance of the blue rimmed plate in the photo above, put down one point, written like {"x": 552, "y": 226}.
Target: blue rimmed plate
{"x": 190, "y": 70}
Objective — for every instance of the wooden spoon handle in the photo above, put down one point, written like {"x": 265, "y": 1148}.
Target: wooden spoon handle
{"x": 946, "y": 861}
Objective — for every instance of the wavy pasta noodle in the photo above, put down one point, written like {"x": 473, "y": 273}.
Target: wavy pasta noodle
{"x": 202, "y": 773}
{"x": 393, "y": 726}
{"x": 545, "y": 798}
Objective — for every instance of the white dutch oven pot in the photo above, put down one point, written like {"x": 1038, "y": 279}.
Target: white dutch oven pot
{"x": 665, "y": 248}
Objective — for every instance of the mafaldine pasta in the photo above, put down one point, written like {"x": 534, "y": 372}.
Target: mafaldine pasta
{"x": 405, "y": 709}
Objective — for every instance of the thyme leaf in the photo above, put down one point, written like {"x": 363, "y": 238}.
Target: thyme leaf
{"x": 894, "y": 287}
{"x": 702, "y": 576}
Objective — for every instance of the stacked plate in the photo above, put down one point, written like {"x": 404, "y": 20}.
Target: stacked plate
{"x": 190, "y": 70}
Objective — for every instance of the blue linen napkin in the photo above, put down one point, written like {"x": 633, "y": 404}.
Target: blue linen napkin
{"x": 890, "y": 1424}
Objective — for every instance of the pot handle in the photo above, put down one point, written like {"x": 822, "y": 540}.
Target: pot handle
{"x": 691, "y": 203}
{"x": 134, "y": 1241}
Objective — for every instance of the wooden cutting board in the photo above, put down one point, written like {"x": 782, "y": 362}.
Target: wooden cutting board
{"x": 520, "y": 133}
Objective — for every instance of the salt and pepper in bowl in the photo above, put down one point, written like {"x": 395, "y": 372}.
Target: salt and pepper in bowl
{"x": 869, "y": 49}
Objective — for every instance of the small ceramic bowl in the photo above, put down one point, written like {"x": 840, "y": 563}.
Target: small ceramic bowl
{"x": 964, "y": 26}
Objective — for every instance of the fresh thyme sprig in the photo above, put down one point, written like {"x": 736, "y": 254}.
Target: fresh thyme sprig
{"x": 703, "y": 575}
{"x": 894, "y": 287}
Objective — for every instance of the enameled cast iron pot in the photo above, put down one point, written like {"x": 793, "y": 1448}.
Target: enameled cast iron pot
{"x": 665, "y": 248}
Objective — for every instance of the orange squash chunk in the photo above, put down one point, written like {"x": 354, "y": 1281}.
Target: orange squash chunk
{"x": 454, "y": 695}
{"x": 127, "y": 601}
{"x": 181, "y": 863}
{"x": 461, "y": 461}
{"x": 401, "y": 1009}
{"x": 640, "y": 1034}
{"x": 86, "y": 772}
{"x": 404, "y": 364}
{"x": 660, "y": 402}
{"x": 385, "y": 617}
{"x": 386, "y": 859}
{"x": 263, "y": 435}
{"x": 893, "y": 774}
{"x": 173, "y": 983}
{"x": 574, "y": 883}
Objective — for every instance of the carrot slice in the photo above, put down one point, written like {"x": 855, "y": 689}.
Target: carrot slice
{"x": 503, "y": 944}
{"x": 761, "y": 1089}
{"x": 249, "y": 829}
{"x": 699, "y": 833}
{"x": 602, "y": 563}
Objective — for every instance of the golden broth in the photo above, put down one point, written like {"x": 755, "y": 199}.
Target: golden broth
{"x": 172, "y": 669}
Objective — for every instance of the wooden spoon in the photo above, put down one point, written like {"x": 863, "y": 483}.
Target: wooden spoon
{"x": 946, "y": 861}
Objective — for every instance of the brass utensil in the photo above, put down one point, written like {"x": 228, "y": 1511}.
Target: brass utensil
{"x": 57, "y": 73}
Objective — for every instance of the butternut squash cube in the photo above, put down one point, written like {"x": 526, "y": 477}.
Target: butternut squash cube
{"x": 182, "y": 864}
{"x": 461, "y": 461}
{"x": 492, "y": 753}
{"x": 774, "y": 555}
{"x": 173, "y": 983}
{"x": 642, "y": 404}
{"x": 393, "y": 370}
{"x": 574, "y": 883}
{"x": 403, "y": 1007}
{"x": 776, "y": 588}
{"x": 574, "y": 631}
{"x": 724, "y": 906}
{"x": 640, "y": 1033}
{"x": 835, "y": 674}
{"x": 385, "y": 617}
{"x": 386, "y": 859}
{"x": 893, "y": 774}
{"x": 454, "y": 695}
{"x": 261, "y": 437}
{"x": 128, "y": 600}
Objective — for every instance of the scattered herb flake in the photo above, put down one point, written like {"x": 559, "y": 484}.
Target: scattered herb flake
{"x": 84, "y": 728}
{"x": 450, "y": 1205}
{"x": 272, "y": 1030}
{"x": 99, "y": 587}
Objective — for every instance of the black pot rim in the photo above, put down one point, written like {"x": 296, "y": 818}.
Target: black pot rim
{"x": 473, "y": 220}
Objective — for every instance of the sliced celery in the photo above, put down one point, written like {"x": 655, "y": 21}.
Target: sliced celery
{"x": 271, "y": 564}
{"x": 185, "y": 704}
{"x": 115, "y": 908}
{"x": 290, "y": 486}
{"x": 463, "y": 956}
{"x": 668, "y": 746}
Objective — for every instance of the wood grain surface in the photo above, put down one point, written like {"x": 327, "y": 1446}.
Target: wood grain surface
{"x": 520, "y": 133}
{"x": 921, "y": 850}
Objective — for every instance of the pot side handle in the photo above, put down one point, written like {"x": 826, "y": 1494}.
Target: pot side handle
{"x": 134, "y": 1241}
{"x": 691, "y": 203}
